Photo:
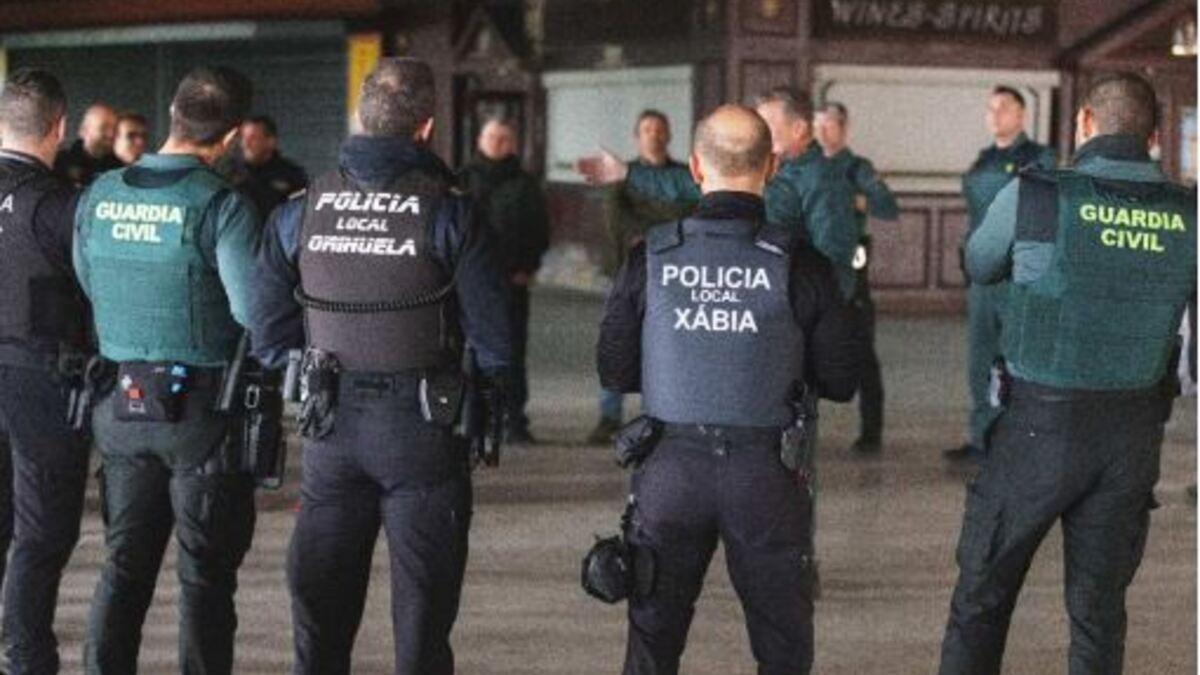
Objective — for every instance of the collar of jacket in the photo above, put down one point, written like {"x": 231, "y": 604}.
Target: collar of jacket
{"x": 1120, "y": 147}
{"x": 379, "y": 160}
{"x": 496, "y": 169}
{"x": 730, "y": 205}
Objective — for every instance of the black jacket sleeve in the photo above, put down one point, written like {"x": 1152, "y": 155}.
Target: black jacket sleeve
{"x": 276, "y": 321}
{"x": 619, "y": 349}
{"x": 468, "y": 248}
{"x": 833, "y": 334}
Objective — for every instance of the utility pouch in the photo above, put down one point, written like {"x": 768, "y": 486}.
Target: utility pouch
{"x": 264, "y": 446}
{"x": 319, "y": 377}
{"x": 291, "y": 376}
{"x": 636, "y": 440}
{"x": 98, "y": 378}
{"x": 441, "y": 394}
{"x": 615, "y": 569}
{"x": 151, "y": 391}
{"x": 794, "y": 439}
{"x": 999, "y": 384}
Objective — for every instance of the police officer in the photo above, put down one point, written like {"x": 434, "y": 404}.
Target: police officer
{"x": 133, "y": 136}
{"x": 513, "y": 204}
{"x": 92, "y": 153}
{"x": 164, "y": 249}
{"x": 389, "y": 267}
{"x": 627, "y": 216}
{"x": 872, "y": 197}
{"x": 993, "y": 169}
{"x": 1102, "y": 261}
{"x": 260, "y": 169}
{"x": 716, "y": 319}
{"x": 43, "y": 324}
{"x": 804, "y": 196}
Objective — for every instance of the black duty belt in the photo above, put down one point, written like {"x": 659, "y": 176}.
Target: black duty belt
{"x": 736, "y": 434}
{"x": 364, "y": 385}
{"x": 1024, "y": 390}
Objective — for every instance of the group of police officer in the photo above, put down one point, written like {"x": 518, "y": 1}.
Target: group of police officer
{"x": 731, "y": 322}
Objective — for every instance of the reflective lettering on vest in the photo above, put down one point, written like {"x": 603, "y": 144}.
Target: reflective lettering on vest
{"x": 138, "y": 222}
{"x": 324, "y": 243}
{"x": 369, "y": 202}
{"x": 715, "y": 286}
{"x": 720, "y": 344}
{"x": 1105, "y": 313}
{"x": 375, "y": 247}
{"x": 7, "y": 205}
{"x": 1126, "y": 226}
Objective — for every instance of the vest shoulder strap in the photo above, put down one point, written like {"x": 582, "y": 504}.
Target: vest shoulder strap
{"x": 664, "y": 237}
{"x": 774, "y": 239}
{"x": 1037, "y": 205}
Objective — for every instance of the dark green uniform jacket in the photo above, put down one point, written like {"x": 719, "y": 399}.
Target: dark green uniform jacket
{"x": 1102, "y": 258}
{"x": 994, "y": 168}
{"x": 804, "y": 197}
{"x": 629, "y": 214}
{"x": 164, "y": 249}
{"x": 514, "y": 206}
{"x": 860, "y": 174}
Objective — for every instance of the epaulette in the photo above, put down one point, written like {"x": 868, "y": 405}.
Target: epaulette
{"x": 774, "y": 239}
{"x": 664, "y": 237}
{"x": 1037, "y": 205}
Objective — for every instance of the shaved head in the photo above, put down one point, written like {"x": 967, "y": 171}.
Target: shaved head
{"x": 733, "y": 142}
{"x": 98, "y": 129}
{"x": 1124, "y": 104}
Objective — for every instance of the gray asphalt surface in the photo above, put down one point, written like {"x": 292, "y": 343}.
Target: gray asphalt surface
{"x": 888, "y": 528}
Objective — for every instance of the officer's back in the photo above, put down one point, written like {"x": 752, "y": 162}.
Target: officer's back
{"x": 381, "y": 271}
{"x": 164, "y": 249}
{"x": 722, "y": 321}
{"x": 43, "y": 341}
{"x": 1102, "y": 258}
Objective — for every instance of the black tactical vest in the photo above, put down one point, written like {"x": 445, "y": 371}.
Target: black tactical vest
{"x": 41, "y": 307}
{"x": 372, "y": 291}
{"x": 720, "y": 343}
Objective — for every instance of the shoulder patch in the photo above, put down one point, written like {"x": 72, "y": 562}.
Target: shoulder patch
{"x": 664, "y": 237}
{"x": 1037, "y": 206}
{"x": 774, "y": 239}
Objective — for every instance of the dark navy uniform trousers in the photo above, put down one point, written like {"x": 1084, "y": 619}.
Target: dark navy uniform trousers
{"x": 43, "y": 469}
{"x": 382, "y": 466}
{"x": 1090, "y": 461}
{"x": 702, "y": 485}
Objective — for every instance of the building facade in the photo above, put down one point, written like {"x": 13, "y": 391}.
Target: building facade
{"x": 574, "y": 73}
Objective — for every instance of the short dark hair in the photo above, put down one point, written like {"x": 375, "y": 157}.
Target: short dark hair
{"x": 397, "y": 97}
{"x": 797, "y": 103}
{"x": 32, "y": 102}
{"x": 136, "y": 118}
{"x": 651, "y": 114}
{"x": 1005, "y": 90}
{"x": 1124, "y": 104}
{"x": 734, "y": 153}
{"x": 208, "y": 103}
{"x": 839, "y": 109}
{"x": 264, "y": 121}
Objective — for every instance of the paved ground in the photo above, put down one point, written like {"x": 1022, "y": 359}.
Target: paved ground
{"x": 887, "y": 529}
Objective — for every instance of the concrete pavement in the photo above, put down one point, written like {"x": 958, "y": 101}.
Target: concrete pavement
{"x": 887, "y": 535}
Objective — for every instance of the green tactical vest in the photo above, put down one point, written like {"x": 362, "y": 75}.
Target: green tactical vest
{"x": 155, "y": 295}
{"x": 1104, "y": 315}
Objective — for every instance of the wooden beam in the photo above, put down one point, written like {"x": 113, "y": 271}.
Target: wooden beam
{"x": 26, "y": 15}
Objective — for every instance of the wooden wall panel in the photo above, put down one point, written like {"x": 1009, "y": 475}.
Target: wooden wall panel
{"x": 952, "y": 227}
{"x": 901, "y": 251}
